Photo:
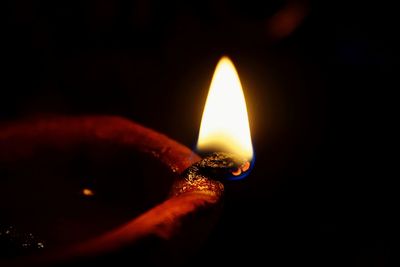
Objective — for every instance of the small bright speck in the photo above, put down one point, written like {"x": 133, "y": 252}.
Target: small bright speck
{"x": 87, "y": 192}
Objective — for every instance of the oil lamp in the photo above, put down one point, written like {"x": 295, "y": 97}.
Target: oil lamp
{"x": 189, "y": 187}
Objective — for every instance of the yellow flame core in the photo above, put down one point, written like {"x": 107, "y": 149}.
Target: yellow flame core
{"x": 225, "y": 125}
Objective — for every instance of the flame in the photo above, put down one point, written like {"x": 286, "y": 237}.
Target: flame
{"x": 225, "y": 125}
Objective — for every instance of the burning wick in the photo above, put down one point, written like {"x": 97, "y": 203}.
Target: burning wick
{"x": 224, "y": 136}
{"x": 225, "y": 125}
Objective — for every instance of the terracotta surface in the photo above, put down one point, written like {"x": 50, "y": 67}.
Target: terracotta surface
{"x": 164, "y": 235}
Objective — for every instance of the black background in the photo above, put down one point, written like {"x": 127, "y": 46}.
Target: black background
{"x": 317, "y": 94}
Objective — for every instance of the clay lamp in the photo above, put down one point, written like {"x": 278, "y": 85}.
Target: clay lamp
{"x": 102, "y": 189}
